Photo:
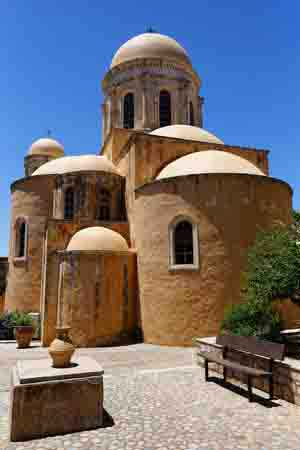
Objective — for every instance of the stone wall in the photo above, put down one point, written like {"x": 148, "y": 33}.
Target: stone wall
{"x": 228, "y": 210}
{"x": 98, "y": 292}
{"x": 153, "y": 153}
{"x": 286, "y": 373}
{"x": 140, "y": 157}
{"x": 87, "y": 187}
{"x": 59, "y": 234}
{"x": 31, "y": 200}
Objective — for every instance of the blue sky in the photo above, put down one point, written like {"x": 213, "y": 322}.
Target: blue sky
{"x": 53, "y": 56}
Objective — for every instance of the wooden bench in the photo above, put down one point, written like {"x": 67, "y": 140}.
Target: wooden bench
{"x": 245, "y": 345}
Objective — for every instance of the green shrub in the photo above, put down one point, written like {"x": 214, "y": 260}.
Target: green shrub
{"x": 272, "y": 274}
{"x": 253, "y": 319}
{"x": 273, "y": 267}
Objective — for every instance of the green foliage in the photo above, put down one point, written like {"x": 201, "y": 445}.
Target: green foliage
{"x": 6, "y": 327}
{"x": 253, "y": 319}
{"x": 272, "y": 274}
{"x": 273, "y": 269}
{"x": 296, "y": 216}
{"x": 9, "y": 320}
{"x": 20, "y": 319}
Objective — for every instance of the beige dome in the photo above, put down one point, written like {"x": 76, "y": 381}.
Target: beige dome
{"x": 98, "y": 238}
{"x": 46, "y": 147}
{"x": 208, "y": 161}
{"x": 188, "y": 133}
{"x": 77, "y": 164}
{"x": 150, "y": 45}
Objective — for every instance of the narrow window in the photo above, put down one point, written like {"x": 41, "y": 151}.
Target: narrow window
{"x": 128, "y": 111}
{"x": 104, "y": 202}
{"x": 164, "y": 109}
{"x": 22, "y": 240}
{"x": 69, "y": 203}
{"x": 183, "y": 243}
{"x": 192, "y": 119}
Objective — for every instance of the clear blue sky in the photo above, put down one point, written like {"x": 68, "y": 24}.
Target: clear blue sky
{"x": 53, "y": 55}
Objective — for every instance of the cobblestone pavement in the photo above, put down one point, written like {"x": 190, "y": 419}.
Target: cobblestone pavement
{"x": 158, "y": 400}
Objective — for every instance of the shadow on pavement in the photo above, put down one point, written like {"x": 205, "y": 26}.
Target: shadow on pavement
{"x": 243, "y": 393}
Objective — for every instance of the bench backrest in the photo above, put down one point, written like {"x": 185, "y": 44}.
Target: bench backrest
{"x": 253, "y": 345}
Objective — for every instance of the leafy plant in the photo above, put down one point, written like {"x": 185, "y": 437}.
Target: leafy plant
{"x": 272, "y": 274}
{"x": 20, "y": 319}
{"x": 6, "y": 327}
{"x": 273, "y": 268}
{"x": 253, "y": 319}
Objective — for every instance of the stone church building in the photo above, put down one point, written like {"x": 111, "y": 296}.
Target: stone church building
{"x": 152, "y": 233}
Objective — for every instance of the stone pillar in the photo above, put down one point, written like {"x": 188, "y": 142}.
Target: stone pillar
{"x": 200, "y": 111}
{"x": 105, "y": 130}
{"x": 144, "y": 121}
{"x": 114, "y": 110}
{"x": 60, "y": 293}
{"x": 180, "y": 105}
{"x": 138, "y": 105}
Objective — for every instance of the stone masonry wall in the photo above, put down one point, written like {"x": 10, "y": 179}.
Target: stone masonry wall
{"x": 153, "y": 153}
{"x": 228, "y": 210}
{"x": 99, "y": 298}
{"x": 31, "y": 199}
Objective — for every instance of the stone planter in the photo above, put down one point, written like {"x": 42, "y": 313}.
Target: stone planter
{"x": 24, "y": 335}
{"x": 61, "y": 350}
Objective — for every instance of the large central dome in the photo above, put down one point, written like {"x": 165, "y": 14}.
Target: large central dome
{"x": 150, "y": 45}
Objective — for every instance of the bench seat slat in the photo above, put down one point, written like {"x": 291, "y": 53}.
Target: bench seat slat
{"x": 211, "y": 356}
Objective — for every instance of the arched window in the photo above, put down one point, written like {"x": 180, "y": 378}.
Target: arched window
{"x": 128, "y": 111}
{"x": 104, "y": 202}
{"x": 192, "y": 119}
{"x": 183, "y": 244}
{"x": 164, "y": 109}
{"x": 21, "y": 239}
{"x": 69, "y": 203}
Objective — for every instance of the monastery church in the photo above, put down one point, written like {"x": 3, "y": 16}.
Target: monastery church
{"x": 150, "y": 236}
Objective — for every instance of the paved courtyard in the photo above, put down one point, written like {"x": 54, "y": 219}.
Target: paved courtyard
{"x": 156, "y": 399}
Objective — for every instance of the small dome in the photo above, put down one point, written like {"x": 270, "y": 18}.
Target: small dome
{"x": 150, "y": 45}
{"x": 187, "y": 132}
{"x": 46, "y": 147}
{"x": 97, "y": 238}
{"x": 77, "y": 164}
{"x": 208, "y": 161}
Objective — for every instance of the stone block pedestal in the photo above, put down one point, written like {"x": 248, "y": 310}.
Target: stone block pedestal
{"x": 46, "y": 401}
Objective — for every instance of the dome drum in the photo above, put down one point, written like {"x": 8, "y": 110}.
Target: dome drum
{"x": 40, "y": 152}
{"x": 33, "y": 162}
{"x": 145, "y": 67}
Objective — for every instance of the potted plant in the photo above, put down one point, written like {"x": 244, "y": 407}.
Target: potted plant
{"x": 24, "y": 329}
